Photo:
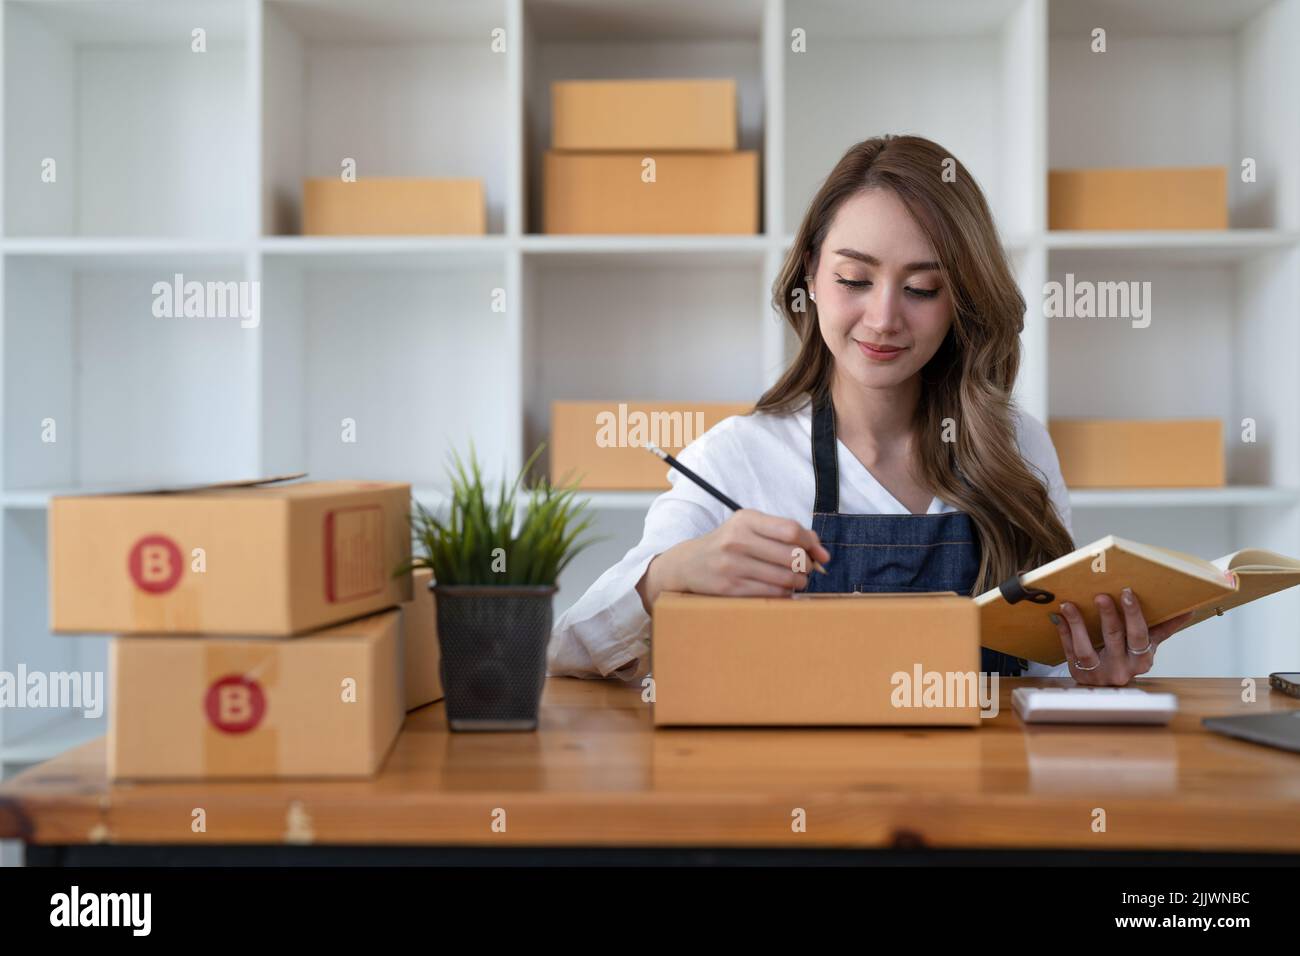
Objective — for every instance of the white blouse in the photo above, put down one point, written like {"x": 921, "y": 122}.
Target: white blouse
{"x": 764, "y": 462}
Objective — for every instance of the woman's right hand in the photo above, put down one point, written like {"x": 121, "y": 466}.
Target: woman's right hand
{"x": 749, "y": 554}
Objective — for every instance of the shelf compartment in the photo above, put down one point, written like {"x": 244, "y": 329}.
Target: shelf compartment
{"x": 967, "y": 76}
{"x": 133, "y": 397}
{"x": 148, "y": 137}
{"x": 665, "y": 327}
{"x": 407, "y": 346}
{"x": 402, "y": 88}
{"x": 1181, "y": 84}
{"x": 1220, "y": 343}
{"x": 674, "y": 39}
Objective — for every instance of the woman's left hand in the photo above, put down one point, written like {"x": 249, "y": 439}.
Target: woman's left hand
{"x": 1130, "y": 645}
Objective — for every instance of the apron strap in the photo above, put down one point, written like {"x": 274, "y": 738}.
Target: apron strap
{"x": 825, "y": 457}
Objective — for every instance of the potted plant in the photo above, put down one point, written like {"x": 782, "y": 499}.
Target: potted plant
{"x": 494, "y": 579}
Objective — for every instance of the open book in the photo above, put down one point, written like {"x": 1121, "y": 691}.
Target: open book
{"x": 1014, "y": 617}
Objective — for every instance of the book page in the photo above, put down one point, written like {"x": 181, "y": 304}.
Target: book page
{"x": 1256, "y": 559}
{"x": 1178, "y": 560}
{"x": 1258, "y": 573}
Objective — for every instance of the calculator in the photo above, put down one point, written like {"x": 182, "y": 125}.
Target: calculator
{"x": 1093, "y": 705}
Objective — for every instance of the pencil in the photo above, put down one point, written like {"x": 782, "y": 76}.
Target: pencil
{"x": 673, "y": 462}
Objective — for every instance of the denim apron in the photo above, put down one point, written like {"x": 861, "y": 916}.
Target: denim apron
{"x": 890, "y": 553}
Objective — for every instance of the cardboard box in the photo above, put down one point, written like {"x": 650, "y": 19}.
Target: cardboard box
{"x": 328, "y": 704}
{"x": 643, "y": 114}
{"x": 268, "y": 559}
{"x": 601, "y": 443}
{"x": 397, "y": 206}
{"x": 1173, "y": 198}
{"x": 816, "y": 659}
{"x": 421, "y": 653}
{"x": 691, "y": 193}
{"x": 1120, "y": 453}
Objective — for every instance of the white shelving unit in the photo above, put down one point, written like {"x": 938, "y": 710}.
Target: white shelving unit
{"x": 172, "y": 161}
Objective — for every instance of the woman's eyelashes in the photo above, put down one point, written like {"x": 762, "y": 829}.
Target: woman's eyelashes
{"x": 913, "y": 291}
{"x": 853, "y": 283}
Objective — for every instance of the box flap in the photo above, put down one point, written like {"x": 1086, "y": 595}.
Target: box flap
{"x": 804, "y": 596}
{"x": 822, "y": 597}
{"x": 181, "y": 489}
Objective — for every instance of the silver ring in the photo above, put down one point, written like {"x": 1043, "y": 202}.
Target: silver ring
{"x": 1078, "y": 665}
{"x": 1145, "y": 650}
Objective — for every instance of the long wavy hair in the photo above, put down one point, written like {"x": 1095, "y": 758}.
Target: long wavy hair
{"x": 970, "y": 377}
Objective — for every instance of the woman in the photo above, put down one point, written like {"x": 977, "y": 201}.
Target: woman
{"x": 890, "y": 449}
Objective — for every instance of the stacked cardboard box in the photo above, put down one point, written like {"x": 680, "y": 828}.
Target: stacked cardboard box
{"x": 647, "y": 156}
{"x": 261, "y": 632}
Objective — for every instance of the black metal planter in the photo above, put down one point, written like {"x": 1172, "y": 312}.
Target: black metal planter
{"x": 493, "y": 640}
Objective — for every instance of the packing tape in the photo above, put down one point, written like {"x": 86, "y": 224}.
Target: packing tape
{"x": 241, "y": 726}
{"x": 179, "y": 612}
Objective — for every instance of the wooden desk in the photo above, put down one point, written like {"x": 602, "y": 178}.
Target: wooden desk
{"x": 598, "y": 775}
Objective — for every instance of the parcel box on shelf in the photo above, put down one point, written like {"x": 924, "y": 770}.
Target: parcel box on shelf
{"x": 395, "y": 206}
{"x": 643, "y": 114}
{"x": 421, "y": 653}
{"x": 602, "y": 443}
{"x": 1123, "y": 453}
{"x": 614, "y": 192}
{"x": 269, "y": 559}
{"x": 826, "y": 659}
{"x": 327, "y": 704}
{"x": 1173, "y": 198}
